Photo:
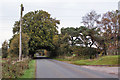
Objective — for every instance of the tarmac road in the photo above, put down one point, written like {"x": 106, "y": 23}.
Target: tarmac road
{"x": 49, "y": 68}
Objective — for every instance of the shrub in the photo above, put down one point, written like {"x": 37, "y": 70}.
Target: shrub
{"x": 85, "y": 52}
{"x": 14, "y": 70}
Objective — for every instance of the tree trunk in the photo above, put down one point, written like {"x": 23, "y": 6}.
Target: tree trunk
{"x": 105, "y": 53}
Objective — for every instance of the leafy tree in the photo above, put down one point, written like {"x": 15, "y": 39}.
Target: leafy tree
{"x": 84, "y": 36}
{"x": 81, "y": 35}
{"x": 110, "y": 29}
{"x": 40, "y": 27}
{"x": 94, "y": 35}
{"x": 56, "y": 40}
{"x": 118, "y": 31}
{"x": 88, "y": 36}
{"x": 5, "y": 49}
{"x": 73, "y": 33}
{"x": 64, "y": 44}
{"x": 91, "y": 21}
{"x": 14, "y": 45}
{"x": 61, "y": 43}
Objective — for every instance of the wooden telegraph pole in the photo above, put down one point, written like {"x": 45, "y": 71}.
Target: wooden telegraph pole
{"x": 20, "y": 41}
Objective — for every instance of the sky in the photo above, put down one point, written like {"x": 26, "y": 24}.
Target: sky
{"x": 69, "y": 12}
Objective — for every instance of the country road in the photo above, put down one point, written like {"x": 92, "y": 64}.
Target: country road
{"x": 49, "y": 68}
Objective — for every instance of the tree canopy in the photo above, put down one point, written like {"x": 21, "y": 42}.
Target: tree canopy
{"x": 40, "y": 27}
{"x": 4, "y": 49}
{"x": 14, "y": 45}
{"x": 97, "y": 33}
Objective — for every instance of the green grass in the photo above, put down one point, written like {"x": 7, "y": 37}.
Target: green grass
{"x": 62, "y": 59}
{"x": 30, "y": 73}
{"x": 105, "y": 60}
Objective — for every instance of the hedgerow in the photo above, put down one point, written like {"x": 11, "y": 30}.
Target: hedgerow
{"x": 14, "y": 69}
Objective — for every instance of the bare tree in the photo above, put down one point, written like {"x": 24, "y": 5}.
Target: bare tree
{"x": 91, "y": 19}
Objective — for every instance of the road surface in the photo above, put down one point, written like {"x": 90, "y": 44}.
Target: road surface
{"x": 49, "y": 68}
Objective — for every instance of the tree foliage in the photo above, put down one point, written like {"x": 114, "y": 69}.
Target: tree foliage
{"x": 5, "y": 49}
{"x": 72, "y": 33}
{"x": 61, "y": 43}
{"x": 110, "y": 30}
{"x": 81, "y": 36}
{"x": 40, "y": 27}
{"x": 102, "y": 33}
{"x": 14, "y": 45}
{"x": 91, "y": 21}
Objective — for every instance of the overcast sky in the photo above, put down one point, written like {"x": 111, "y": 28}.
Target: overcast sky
{"x": 69, "y": 12}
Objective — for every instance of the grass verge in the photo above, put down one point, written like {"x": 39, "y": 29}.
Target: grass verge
{"x": 62, "y": 59}
{"x": 30, "y": 73}
{"x": 105, "y": 60}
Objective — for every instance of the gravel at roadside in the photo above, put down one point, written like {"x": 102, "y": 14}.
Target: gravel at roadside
{"x": 110, "y": 70}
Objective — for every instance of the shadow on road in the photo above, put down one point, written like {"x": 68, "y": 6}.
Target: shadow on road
{"x": 41, "y": 57}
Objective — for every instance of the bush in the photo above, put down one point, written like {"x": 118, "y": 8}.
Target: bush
{"x": 85, "y": 52}
{"x": 14, "y": 70}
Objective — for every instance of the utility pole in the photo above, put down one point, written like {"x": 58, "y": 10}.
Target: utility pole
{"x": 20, "y": 41}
